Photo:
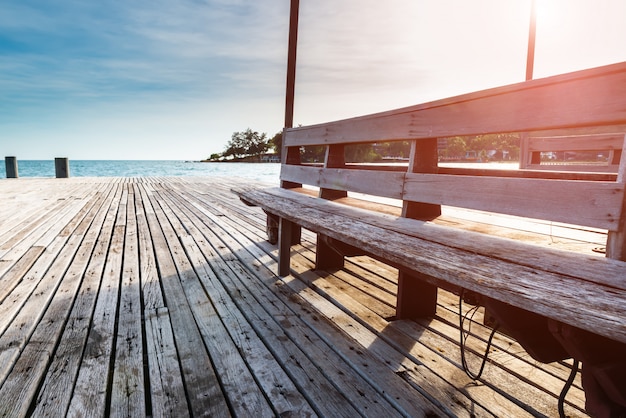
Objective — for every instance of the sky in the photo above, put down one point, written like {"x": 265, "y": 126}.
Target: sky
{"x": 174, "y": 79}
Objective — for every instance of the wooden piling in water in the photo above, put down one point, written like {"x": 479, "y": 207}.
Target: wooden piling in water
{"x": 11, "y": 167}
{"x": 62, "y": 168}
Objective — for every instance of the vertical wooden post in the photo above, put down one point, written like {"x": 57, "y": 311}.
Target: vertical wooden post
{"x": 616, "y": 240}
{"x": 616, "y": 157}
{"x": 524, "y": 153}
{"x": 327, "y": 257}
{"x": 11, "y": 167}
{"x": 335, "y": 158}
{"x": 525, "y": 157}
{"x": 530, "y": 57}
{"x": 291, "y": 62}
{"x": 62, "y": 168}
{"x": 417, "y": 298}
{"x": 289, "y": 155}
{"x": 423, "y": 159}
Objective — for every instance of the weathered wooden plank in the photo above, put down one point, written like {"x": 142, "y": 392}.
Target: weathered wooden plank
{"x": 277, "y": 385}
{"x": 167, "y": 393}
{"x": 524, "y": 173}
{"x": 384, "y": 184}
{"x": 574, "y": 168}
{"x": 93, "y": 380}
{"x": 535, "y": 231}
{"x": 162, "y": 359}
{"x": 576, "y": 142}
{"x": 44, "y": 216}
{"x": 379, "y": 183}
{"x": 584, "y": 98}
{"x": 24, "y": 378}
{"x": 595, "y": 204}
{"x": 44, "y": 230}
{"x": 301, "y": 174}
{"x": 151, "y": 289}
{"x": 415, "y": 363}
{"x": 53, "y": 397}
{"x": 23, "y": 206}
{"x": 13, "y": 303}
{"x": 13, "y": 276}
{"x": 204, "y": 393}
{"x": 128, "y": 392}
{"x": 42, "y": 279}
{"x": 590, "y": 268}
{"x": 412, "y": 404}
{"x": 312, "y": 378}
{"x": 236, "y": 379}
{"x": 424, "y": 350}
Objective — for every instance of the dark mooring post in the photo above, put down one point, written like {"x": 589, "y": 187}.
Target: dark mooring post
{"x": 62, "y": 168}
{"x": 11, "y": 165}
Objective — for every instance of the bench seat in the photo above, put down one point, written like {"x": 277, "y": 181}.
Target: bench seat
{"x": 537, "y": 279}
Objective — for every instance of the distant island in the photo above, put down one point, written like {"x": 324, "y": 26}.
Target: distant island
{"x": 267, "y": 157}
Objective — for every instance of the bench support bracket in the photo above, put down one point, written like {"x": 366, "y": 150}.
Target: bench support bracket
{"x": 285, "y": 239}
{"x": 326, "y": 256}
{"x": 416, "y": 297}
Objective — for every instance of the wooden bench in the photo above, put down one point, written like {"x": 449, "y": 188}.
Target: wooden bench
{"x": 557, "y": 303}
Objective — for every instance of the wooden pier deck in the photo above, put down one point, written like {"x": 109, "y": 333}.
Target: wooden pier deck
{"x": 157, "y": 297}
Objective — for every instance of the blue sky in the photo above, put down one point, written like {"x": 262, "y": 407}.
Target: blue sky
{"x": 173, "y": 79}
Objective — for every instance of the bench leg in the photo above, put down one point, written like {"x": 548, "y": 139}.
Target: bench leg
{"x": 296, "y": 234}
{"x": 271, "y": 228}
{"x": 416, "y": 297}
{"x": 326, "y": 257}
{"x": 285, "y": 236}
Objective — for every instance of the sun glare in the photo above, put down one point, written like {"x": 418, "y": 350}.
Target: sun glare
{"x": 546, "y": 12}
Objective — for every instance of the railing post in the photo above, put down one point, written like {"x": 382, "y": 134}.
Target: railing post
{"x": 62, "y": 168}
{"x": 423, "y": 159}
{"x": 417, "y": 298}
{"x": 11, "y": 166}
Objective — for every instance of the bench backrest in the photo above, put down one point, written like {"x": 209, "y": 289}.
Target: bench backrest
{"x": 586, "y": 101}
{"x": 602, "y": 152}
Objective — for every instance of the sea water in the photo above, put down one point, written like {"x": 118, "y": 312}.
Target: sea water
{"x": 266, "y": 172}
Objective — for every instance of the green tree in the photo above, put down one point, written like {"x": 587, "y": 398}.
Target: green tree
{"x": 399, "y": 149}
{"x": 313, "y": 153}
{"x": 361, "y": 153}
{"x": 246, "y": 143}
{"x": 276, "y": 143}
{"x": 456, "y": 147}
